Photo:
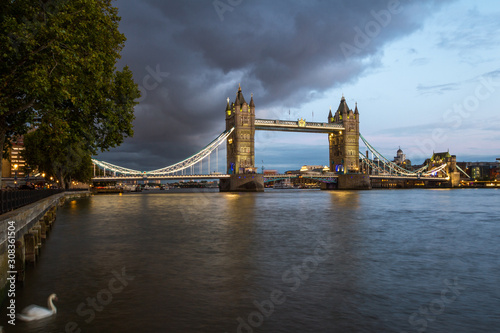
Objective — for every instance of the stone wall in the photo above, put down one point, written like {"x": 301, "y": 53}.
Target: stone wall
{"x": 30, "y": 224}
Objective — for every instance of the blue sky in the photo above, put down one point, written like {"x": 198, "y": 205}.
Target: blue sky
{"x": 428, "y": 80}
{"x": 409, "y": 99}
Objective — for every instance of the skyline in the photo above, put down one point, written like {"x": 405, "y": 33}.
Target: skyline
{"x": 420, "y": 73}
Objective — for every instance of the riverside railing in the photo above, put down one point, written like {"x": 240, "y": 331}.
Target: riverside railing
{"x": 10, "y": 200}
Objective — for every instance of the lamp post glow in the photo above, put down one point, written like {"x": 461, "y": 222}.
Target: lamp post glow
{"x": 15, "y": 175}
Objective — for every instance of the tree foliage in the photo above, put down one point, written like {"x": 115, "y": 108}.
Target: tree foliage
{"x": 57, "y": 66}
{"x": 50, "y": 150}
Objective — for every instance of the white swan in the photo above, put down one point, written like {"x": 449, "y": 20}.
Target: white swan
{"x": 35, "y": 312}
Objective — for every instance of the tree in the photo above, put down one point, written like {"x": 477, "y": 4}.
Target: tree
{"x": 51, "y": 151}
{"x": 57, "y": 66}
{"x": 63, "y": 141}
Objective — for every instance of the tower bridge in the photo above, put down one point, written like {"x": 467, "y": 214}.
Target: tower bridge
{"x": 349, "y": 168}
{"x": 342, "y": 129}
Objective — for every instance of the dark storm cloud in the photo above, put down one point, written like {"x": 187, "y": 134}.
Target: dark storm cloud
{"x": 188, "y": 56}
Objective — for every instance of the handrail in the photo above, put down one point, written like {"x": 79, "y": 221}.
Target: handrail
{"x": 14, "y": 199}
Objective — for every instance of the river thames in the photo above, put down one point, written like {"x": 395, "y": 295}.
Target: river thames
{"x": 280, "y": 261}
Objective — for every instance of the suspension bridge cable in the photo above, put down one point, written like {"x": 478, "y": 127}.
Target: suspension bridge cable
{"x": 396, "y": 168}
{"x": 180, "y": 166}
{"x": 184, "y": 164}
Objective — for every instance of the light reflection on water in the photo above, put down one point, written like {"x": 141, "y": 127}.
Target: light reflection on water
{"x": 311, "y": 261}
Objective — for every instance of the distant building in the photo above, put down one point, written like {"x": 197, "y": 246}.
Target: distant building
{"x": 498, "y": 169}
{"x": 305, "y": 176}
{"x": 482, "y": 170}
{"x": 462, "y": 165}
{"x": 15, "y": 164}
{"x": 311, "y": 168}
{"x": 400, "y": 159}
{"x": 306, "y": 169}
{"x": 270, "y": 172}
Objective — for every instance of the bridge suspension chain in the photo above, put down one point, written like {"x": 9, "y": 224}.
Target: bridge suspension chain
{"x": 198, "y": 157}
{"x": 436, "y": 170}
{"x": 374, "y": 166}
{"x": 180, "y": 166}
{"x": 419, "y": 171}
{"x": 386, "y": 162}
{"x": 462, "y": 171}
{"x": 396, "y": 168}
{"x": 115, "y": 168}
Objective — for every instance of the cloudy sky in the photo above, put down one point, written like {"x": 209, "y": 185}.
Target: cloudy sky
{"x": 425, "y": 75}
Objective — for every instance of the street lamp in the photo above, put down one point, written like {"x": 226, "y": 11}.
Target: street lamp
{"x": 43, "y": 176}
{"x": 15, "y": 175}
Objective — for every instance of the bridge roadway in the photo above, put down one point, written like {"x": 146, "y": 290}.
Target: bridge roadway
{"x": 395, "y": 177}
{"x": 269, "y": 177}
{"x": 160, "y": 177}
{"x": 199, "y": 177}
{"x": 297, "y": 126}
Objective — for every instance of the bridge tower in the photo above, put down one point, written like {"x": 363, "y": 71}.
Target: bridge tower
{"x": 344, "y": 145}
{"x": 240, "y": 144}
{"x": 241, "y": 148}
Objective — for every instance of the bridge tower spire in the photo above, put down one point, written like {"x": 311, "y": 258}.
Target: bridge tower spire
{"x": 240, "y": 144}
{"x": 344, "y": 145}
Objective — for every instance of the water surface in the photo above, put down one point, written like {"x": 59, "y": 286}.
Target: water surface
{"x": 279, "y": 261}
